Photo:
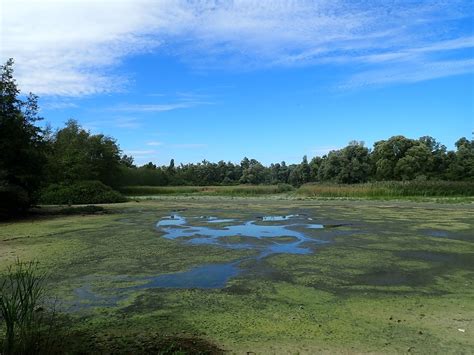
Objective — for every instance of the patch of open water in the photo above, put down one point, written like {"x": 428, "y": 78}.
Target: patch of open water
{"x": 270, "y": 237}
{"x": 289, "y": 234}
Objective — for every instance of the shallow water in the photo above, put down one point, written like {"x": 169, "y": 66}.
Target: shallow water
{"x": 176, "y": 226}
{"x": 266, "y": 231}
{"x": 278, "y": 218}
{"x": 204, "y": 276}
{"x": 268, "y": 235}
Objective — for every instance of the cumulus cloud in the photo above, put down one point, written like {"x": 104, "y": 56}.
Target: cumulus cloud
{"x": 76, "y": 47}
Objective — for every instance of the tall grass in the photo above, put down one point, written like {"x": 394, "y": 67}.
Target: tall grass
{"x": 383, "y": 189}
{"x": 237, "y": 190}
{"x": 22, "y": 295}
{"x": 391, "y": 189}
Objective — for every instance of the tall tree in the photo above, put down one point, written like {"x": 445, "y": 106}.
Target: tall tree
{"x": 386, "y": 155}
{"x": 348, "y": 165}
{"x": 21, "y": 145}
{"x": 77, "y": 155}
{"x": 462, "y": 163}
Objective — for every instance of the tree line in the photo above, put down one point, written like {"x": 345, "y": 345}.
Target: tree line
{"x": 33, "y": 159}
{"x": 395, "y": 159}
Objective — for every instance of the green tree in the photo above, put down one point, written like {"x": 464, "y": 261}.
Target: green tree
{"x": 417, "y": 163}
{"x": 439, "y": 157}
{"x": 386, "y": 155}
{"x": 127, "y": 161}
{"x": 348, "y": 165}
{"x": 21, "y": 145}
{"x": 314, "y": 165}
{"x": 461, "y": 166}
{"x": 301, "y": 173}
{"x": 78, "y": 155}
{"x": 255, "y": 173}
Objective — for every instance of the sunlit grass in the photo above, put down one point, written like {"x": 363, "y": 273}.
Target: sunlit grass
{"x": 238, "y": 190}
{"x": 390, "y": 189}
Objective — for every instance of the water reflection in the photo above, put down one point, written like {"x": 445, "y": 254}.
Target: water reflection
{"x": 263, "y": 235}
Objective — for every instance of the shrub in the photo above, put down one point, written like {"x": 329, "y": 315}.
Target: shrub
{"x": 81, "y": 192}
{"x": 13, "y": 199}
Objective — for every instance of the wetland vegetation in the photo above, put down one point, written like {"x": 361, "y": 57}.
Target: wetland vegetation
{"x": 387, "y": 277}
{"x": 324, "y": 256}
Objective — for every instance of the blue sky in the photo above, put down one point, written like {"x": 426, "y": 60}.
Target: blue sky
{"x": 272, "y": 80}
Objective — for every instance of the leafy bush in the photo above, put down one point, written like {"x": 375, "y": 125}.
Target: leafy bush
{"x": 82, "y": 192}
{"x": 13, "y": 199}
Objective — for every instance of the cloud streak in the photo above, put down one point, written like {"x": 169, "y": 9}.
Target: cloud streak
{"x": 75, "y": 48}
{"x": 153, "y": 107}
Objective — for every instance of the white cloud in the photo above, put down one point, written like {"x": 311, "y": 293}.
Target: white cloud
{"x": 154, "y": 143}
{"x": 115, "y": 122}
{"x": 410, "y": 72}
{"x": 58, "y": 104}
{"x": 75, "y": 47}
{"x": 153, "y": 107}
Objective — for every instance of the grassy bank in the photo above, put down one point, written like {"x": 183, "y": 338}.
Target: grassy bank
{"x": 237, "y": 190}
{"x": 376, "y": 190}
{"x": 390, "y": 189}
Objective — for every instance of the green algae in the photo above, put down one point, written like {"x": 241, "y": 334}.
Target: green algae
{"x": 382, "y": 284}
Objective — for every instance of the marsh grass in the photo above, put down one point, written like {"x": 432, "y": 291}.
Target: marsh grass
{"x": 390, "y": 189}
{"x": 236, "y": 190}
{"x": 28, "y": 327}
{"x": 375, "y": 190}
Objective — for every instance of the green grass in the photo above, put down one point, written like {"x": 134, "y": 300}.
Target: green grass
{"x": 238, "y": 190}
{"x": 390, "y": 189}
{"x": 384, "y": 283}
{"x": 442, "y": 191}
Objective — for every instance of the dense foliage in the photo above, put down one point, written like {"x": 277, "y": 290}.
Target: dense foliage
{"x": 21, "y": 145}
{"x": 396, "y": 159}
{"x": 71, "y": 165}
{"x": 80, "y": 192}
{"x": 76, "y": 155}
{"x": 32, "y": 158}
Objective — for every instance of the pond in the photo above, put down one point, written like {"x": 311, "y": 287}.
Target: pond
{"x": 288, "y": 234}
{"x": 267, "y": 235}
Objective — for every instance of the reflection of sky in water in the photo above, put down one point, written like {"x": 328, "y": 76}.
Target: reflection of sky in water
{"x": 278, "y": 218}
{"x": 204, "y": 276}
{"x": 267, "y": 233}
{"x": 176, "y": 226}
{"x": 173, "y": 220}
{"x": 227, "y": 220}
{"x": 217, "y": 275}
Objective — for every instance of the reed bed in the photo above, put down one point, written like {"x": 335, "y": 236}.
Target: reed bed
{"x": 237, "y": 190}
{"x": 391, "y": 189}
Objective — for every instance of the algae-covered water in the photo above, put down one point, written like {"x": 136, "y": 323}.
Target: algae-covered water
{"x": 262, "y": 275}
{"x": 271, "y": 229}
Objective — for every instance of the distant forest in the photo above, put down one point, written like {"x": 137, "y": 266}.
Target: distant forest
{"x": 397, "y": 158}
{"x": 36, "y": 161}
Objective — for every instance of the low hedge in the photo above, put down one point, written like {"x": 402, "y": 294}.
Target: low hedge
{"x": 79, "y": 193}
